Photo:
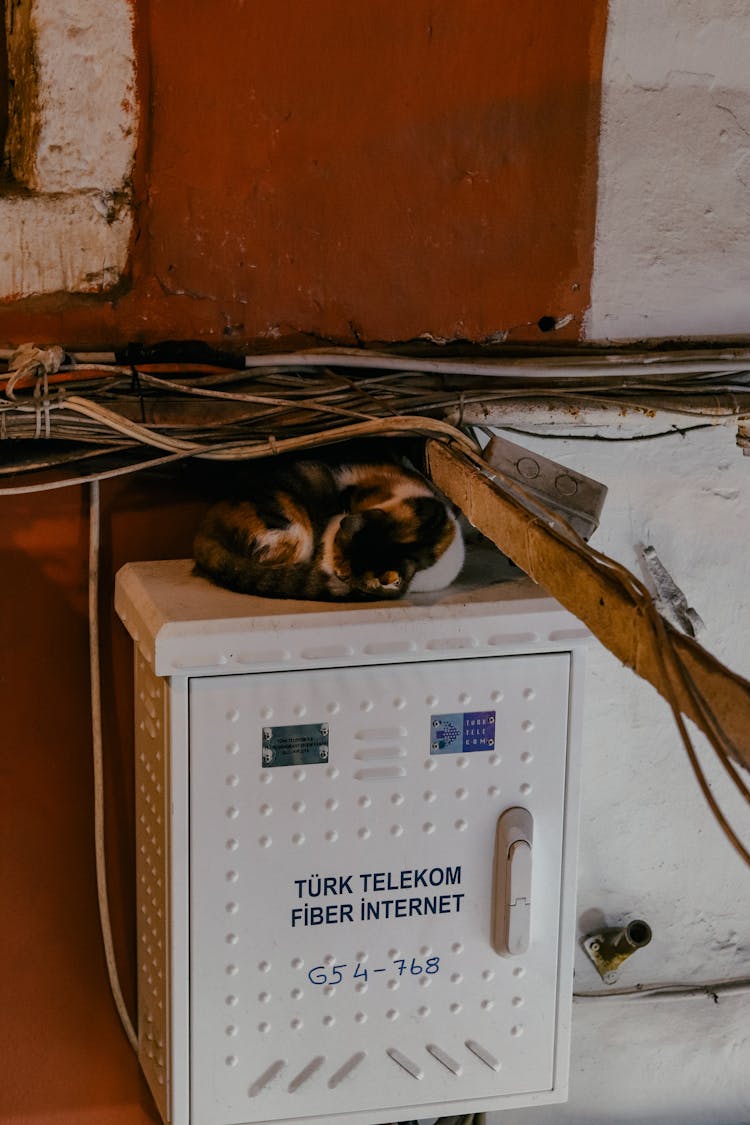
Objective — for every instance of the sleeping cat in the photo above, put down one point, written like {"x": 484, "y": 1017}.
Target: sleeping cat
{"x": 344, "y": 532}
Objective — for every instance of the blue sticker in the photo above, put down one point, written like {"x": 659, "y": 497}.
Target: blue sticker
{"x": 462, "y": 732}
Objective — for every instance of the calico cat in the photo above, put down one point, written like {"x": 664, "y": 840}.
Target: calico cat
{"x": 346, "y": 532}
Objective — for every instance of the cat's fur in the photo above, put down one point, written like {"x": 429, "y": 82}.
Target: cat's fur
{"x": 341, "y": 532}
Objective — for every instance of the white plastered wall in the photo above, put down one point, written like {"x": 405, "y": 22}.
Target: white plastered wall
{"x": 673, "y": 218}
{"x": 672, "y": 259}
{"x": 66, "y": 222}
{"x": 649, "y": 847}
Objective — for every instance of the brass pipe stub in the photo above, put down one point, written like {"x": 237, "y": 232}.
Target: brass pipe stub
{"x": 610, "y": 947}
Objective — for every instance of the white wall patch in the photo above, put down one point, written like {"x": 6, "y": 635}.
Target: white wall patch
{"x": 72, "y": 131}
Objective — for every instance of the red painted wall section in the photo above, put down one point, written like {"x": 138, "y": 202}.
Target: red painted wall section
{"x": 366, "y": 171}
{"x": 64, "y": 1059}
{"x": 3, "y": 79}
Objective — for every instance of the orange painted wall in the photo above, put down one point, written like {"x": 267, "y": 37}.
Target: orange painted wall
{"x": 3, "y": 80}
{"x": 358, "y": 171}
{"x": 63, "y": 1056}
{"x": 371, "y": 170}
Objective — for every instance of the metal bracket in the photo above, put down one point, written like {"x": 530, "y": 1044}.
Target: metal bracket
{"x": 670, "y": 600}
{"x": 578, "y": 498}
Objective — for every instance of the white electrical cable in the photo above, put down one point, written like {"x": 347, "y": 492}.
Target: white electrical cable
{"x": 96, "y": 735}
{"x": 730, "y": 359}
{"x": 573, "y": 367}
{"x": 92, "y": 478}
{"x": 234, "y": 451}
{"x": 731, "y": 986}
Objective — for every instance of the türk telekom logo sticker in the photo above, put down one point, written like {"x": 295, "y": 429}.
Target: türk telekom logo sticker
{"x": 462, "y": 732}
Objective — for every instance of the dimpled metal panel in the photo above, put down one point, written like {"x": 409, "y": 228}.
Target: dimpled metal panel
{"x": 151, "y": 786}
{"x": 341, "y": 954}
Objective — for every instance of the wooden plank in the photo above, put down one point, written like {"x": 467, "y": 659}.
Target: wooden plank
{"x": 598, "y": 597}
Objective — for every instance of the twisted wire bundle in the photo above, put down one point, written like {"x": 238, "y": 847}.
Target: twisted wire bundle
{"x": 286, "y": 403}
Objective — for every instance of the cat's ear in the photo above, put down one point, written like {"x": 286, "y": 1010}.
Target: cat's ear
{"x": 431, "y": 517}
{"x": 348, "y": 528}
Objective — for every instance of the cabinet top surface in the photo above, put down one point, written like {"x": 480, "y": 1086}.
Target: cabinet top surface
{"x": 165, "y": 604}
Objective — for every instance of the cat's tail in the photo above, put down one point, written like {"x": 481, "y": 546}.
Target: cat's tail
{"x": 248, "y": 570}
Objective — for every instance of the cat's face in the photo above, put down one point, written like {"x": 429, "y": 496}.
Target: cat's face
{"x": 377, "y": 553}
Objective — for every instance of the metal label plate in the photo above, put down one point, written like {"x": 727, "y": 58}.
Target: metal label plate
{"x": 302, "y": 744}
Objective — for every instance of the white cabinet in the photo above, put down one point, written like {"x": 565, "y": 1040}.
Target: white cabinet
{"x": 332, "y": 927}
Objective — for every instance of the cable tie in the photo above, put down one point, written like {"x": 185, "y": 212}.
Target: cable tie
{"x": 29, "y": 361}
{"x": 137, "y": 389}
{"x": 41, "y": 401}
{"x": 45, "y": 402}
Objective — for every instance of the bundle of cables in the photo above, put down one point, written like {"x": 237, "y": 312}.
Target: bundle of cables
{"x": 144, "y": 406}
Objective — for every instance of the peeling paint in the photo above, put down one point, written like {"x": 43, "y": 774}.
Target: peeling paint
{"x": 60, "y": 243}
{"x": 71, "y": 142}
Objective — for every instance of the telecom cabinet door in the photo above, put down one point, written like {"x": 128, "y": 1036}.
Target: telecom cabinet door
{"x": 350, "y": 888}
